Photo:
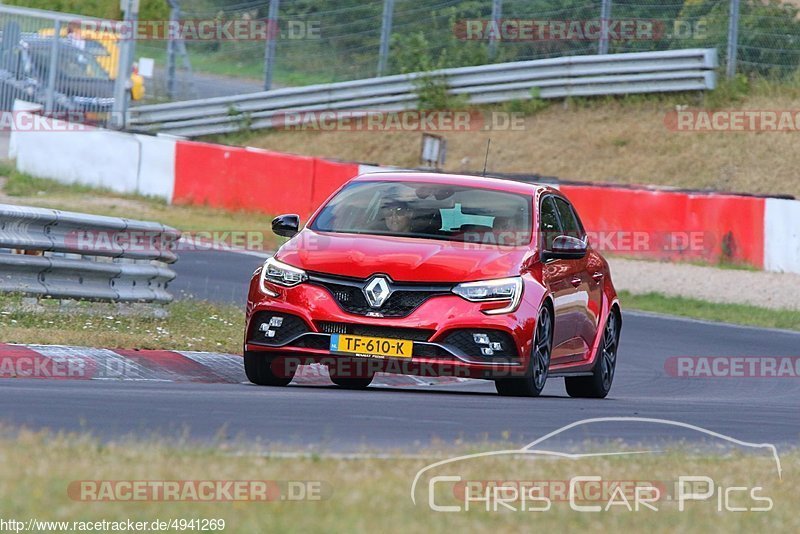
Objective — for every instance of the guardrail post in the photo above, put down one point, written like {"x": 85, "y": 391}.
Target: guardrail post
{"x": 733, "y": 38}
{"x": 386, "y": 33}
{"x": 126, "y": 54}
{"x": 273, "y": 33}
{"x": 497, "y": 12}
{"x": 174, "y": 16}
{"x": 49, "y": 102}
{"x": 605, "y": 17}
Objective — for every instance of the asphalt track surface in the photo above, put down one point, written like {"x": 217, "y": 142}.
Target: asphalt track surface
{"x": 750, "y": 409}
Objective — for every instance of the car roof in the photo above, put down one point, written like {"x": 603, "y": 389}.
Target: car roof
{"x": 497, "y": 184}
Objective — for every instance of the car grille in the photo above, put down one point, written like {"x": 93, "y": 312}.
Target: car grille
{"x": 463, "y": 340}
{"x": 291, "y": 327}
{"x": 405, "y": 297}
{"x": 392, "y": 332}
{"x": 318, "y": 342}
{"x": 431, "y": 351}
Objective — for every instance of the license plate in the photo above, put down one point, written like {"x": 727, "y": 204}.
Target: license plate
{"x": 371, "y": 347}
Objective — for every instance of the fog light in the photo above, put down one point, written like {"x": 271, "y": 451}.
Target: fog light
{"x": 276, "y": 322}
{"x": 487, "y": 351}
{"x": 264, "y": 327}
{"x": 480, "y": 339}
{"x": 495, "y": 346}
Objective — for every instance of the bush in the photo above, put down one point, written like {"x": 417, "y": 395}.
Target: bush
{"x": 432, "y": 93}
{"x": 148, "y": 9}
{"x": 527, "y": 107}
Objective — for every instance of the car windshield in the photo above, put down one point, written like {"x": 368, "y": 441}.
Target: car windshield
{"x": 96, "y": 49}
{"x": 428, "y": 210}
{"x": 73, "y": 63}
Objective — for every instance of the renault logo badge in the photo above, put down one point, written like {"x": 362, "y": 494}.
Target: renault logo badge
{"x": 377, "y": 291}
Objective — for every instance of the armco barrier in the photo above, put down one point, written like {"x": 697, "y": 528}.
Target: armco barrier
{"x": 256, "y": 180}
{"x": 328, "y": 177}
{"x": 731, "y": 227}
{"x": 589, "y": 75}
{"x": 83, "y": 256}
{"x": 782, "y": 235}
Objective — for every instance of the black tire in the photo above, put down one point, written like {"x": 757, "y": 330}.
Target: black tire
{"x": 598, "y": 385}
{"x": 260, "y": 370}
{"x": 352, "y": 383}
{"x": 532, "y": 384}
{"x": 352, "y": 376}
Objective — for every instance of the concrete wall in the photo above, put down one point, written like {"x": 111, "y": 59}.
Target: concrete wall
{"x": 118, "y": 161}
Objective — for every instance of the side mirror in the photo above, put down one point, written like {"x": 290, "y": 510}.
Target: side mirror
{"x": 565, "y": 248}
{"x": 286, "y": 225}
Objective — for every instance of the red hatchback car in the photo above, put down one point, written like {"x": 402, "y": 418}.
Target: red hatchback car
{"x": 436, "y": 274}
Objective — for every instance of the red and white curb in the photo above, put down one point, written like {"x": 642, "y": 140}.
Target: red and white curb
{"x": 63, "y": 362}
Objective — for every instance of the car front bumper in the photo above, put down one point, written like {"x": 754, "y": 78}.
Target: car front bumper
{"x": 440, "y": 328}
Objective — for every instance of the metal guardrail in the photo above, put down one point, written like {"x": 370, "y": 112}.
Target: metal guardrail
{"x": 87, "y": 257}
{"x": 644, "y": 72}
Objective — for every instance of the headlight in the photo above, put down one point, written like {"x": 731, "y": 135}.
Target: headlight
{"x": 509, "y": 289}
{"x": 278, "y": 273}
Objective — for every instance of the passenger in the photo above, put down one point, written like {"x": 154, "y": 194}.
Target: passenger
{"x": 506, "y": 231}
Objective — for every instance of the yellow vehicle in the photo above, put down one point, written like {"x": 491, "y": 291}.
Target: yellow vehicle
{"x": 105, "y": 47}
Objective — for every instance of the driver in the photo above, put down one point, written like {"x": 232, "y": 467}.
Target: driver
{"x": 397, "y": 215}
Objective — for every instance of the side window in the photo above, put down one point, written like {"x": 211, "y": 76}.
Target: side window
{"x": 548, "y": 224}
{"x": 569, "y": 222}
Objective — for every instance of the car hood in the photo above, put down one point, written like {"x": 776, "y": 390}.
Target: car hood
{"x": 403, "y": 259}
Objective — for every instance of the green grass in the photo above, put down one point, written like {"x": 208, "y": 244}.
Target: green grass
{"x": 711, "y": 311}
{"x": 6, "y": 167}
{"x": 24, "y": 185}
{"x": 365, "y": 494}
{"x": 189, "y": 325}
{"x": 27, "y": 190}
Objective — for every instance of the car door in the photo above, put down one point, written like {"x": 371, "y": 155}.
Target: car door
{"x": 587, "y": 277}
{"x": 560, "y": 276}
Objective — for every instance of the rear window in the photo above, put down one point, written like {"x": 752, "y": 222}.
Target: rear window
{"x": 430, "y": 211}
